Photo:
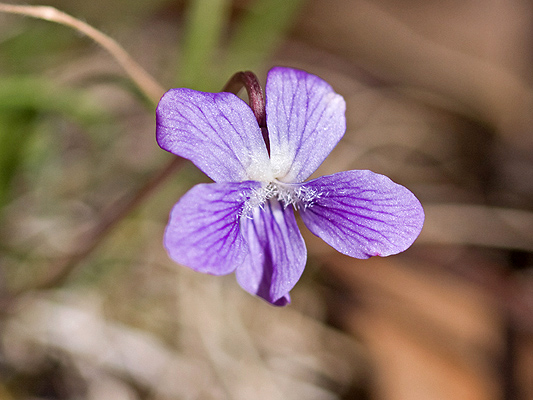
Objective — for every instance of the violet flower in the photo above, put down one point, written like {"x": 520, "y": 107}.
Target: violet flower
{"x": 244, "y": 222}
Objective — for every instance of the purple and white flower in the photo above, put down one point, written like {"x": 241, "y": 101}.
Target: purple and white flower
{"x": 244, "y": 222}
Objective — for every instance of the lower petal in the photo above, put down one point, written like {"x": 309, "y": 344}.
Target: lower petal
{"x": 277, "y": 253}
{"x": 203, "y": 231}
{"x": 363, "y": 214}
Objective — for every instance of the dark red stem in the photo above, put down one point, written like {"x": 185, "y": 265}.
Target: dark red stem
{"x": 256, "y": 98}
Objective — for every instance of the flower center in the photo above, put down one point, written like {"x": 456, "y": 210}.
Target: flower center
{"x": 287, "y": 194}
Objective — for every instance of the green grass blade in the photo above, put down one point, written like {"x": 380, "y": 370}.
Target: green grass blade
{"x": 259, "y": 33}
{"x": 206, "y": 21}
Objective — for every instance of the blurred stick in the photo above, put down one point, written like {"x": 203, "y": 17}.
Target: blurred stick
{"x": 121, "y": 208}
{"x": 478, "y": 225}
{"x": 447, "y": 77}
{"x": 109, "y": 219}
{"x": 149, "y": 87}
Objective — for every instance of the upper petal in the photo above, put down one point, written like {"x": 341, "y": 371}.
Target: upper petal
{"x": 276, "y": 253}
{"x": 216, "y": 131}
{"x": 363, "y": 214}
{"x": 305, "y": 120}
{"x": 203, "y": 231}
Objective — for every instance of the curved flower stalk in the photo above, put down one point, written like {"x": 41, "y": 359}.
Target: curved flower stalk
{"x": 244, "y": 222}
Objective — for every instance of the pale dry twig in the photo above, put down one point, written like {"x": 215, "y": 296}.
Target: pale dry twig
{"x": 139, "y": 76}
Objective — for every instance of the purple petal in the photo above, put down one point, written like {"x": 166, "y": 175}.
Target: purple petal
{"x": 203, "y": 232}
{"x": 277, "y": 253}
{"x": 305, "y": 120}
{"x": 363, "y": 214}
{"x": 218, "y": 132}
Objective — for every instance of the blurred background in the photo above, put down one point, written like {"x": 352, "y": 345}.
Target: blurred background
{"x": 439, "y": 97}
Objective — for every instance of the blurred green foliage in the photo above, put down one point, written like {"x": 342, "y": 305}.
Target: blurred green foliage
{"x": 23, "y": 101}
{"x": 34, "y": 45}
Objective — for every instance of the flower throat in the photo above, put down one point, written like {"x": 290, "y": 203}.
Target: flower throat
{"x": 296, "y": 195}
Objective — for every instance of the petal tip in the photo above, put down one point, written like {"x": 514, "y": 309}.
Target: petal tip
{"x": 364, "y": 214}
